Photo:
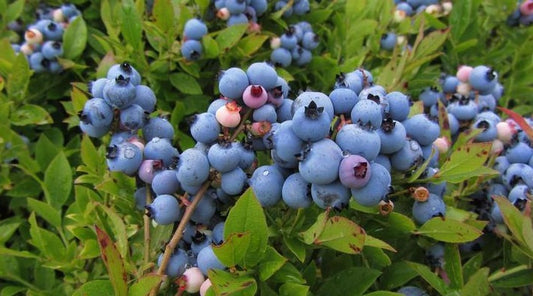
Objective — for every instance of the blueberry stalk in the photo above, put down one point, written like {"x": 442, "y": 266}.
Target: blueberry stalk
{"x": 176, "y": 237}
{"x": 178, "y": 234}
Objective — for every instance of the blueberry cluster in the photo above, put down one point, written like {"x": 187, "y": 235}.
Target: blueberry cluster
{"x": 299, "y": 7}
{"x": 409, "y": 8}
{"x": 191, "y": 48}
{"x": 236, "y": 12}
{"x": 522, "y": 15}
{"x": 471, "y": 97}
{"x": 294, "y": 46}
{"x": 43, "y": 39}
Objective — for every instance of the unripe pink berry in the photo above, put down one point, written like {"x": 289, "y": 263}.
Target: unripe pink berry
{"x": 399, "y": 15}
{"x": 275, "y": 42}
{"x": 33, "y": 36}
{"x": 526, "y": 8}
{"x": 433, "y": 9}
{"x": 223, "y": 14}
{"x": 497, "y": 147}
{"x": 442, "y": 144}
{"x": 194, "y": 278}
{"x": 464, "y": 89}
{"x": 254, "y": 27}
{"x": 58, "y": 16}
{"x": 463, "y": 73}
{"x": 255, "y": 96}
{"x": 447, "y": 7}
{"x": 204, "y": 287}
{"x": 148, "y": 168}
{"x": 505, "y": 131}
{"x": 228, "y": 115}
{"x": 26, "y": 49}
{"x": 260, "y": 128}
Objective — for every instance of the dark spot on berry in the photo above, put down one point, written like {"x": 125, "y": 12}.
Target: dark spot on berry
{"x": 126, "y": 67}
{"x": 111, "y": 152}
{"x": 312, "y": 111}
{"x": 388, "y": 125}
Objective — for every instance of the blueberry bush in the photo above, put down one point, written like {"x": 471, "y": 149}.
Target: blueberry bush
{"x": 254, "y": 147}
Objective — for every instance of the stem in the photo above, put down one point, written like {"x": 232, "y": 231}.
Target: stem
{"x": 178, "y": 234}
{"x": 147, "y": 227}
{"x": 241, "y": 126}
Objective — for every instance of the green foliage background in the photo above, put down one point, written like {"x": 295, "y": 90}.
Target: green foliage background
{"x": 55, "y": 189}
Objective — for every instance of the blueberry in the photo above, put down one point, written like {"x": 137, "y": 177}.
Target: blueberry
{"x": 164, "y": 209}
{"x": 194, "y": 29}
{"x": 376, "y": 189}
{"x": 191, "y": 50}
{"x": 388, "y": 41}
{"x": 433, "y": 207}
{"x": 358, "y": 141}
{"x": 193, "y": 167}
{"x": 296, "y": 192}
{"x": 208, "y": 260}
{"x": 157, "y": 127}
{"x": 320, "y": 162}
{"x": 333, "y": 195}
{"x": 310, "y": 123}
{"x": 267, "y": 182}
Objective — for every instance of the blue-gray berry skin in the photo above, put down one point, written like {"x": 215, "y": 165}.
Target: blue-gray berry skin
{"x": 433, "y": 207}
{"x": 296, "y": 192}
{"x": 164, "y": 209}
{"x": 376, "y": 189}
{"x": 157, "y": 127}
{"x": 208, "y": 260}
{"x": 267, "y": 182}
{"x": 177, "y": 263}
{"x": 320, "y": 162}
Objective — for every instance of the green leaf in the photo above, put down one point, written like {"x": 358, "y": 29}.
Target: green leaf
{"x": 23, "y": 254}
{"x": 95, "y": 288}
{"x": 293, "y": 289}
{"x": 247, "y": 216}
{"x": 229, "y": 36}
{"x": 313, "y": 232}
{"x": 356, "y": 280}
{"x": 113, "y": 262}
{"x": 90, "y": 156}
{"x": 47, "y": 242}
{"x": 75, "y": 39}
{"x": 511, "y": 215}
{"x": 397, "y": 275}
{"x": 251, "y": 43}
{"x": 371, "y": 241}
{"x": 478, "y": 283}
{"x": 29, "y": 114}
{"x": 452, "y": 266}
{"x": 233, "y": 251}
{"x": 45, "y": 151}
{"x": 210, "y": 47}
{"x": 46, "y": 211}
{"x": 131, "y": 25}
{"x": 13, "y": 11}
{"x": 18, "y": 79}
{"x": 225, "y": 283}
{"x": 432, "y": 279}
{"x": 466, "y": 162}
{"x": 338, "y": 233}
{"x": 400, "y": 223}
{"x": 447, "y": 230}
{"x": 271, "y": 263}
{"x": 143, "y": 286}
{"x": 163, "y": 12}
{"x": 58, "y": 181}
{"x": 296, "y": 247}
{"x": 471, "y": 266}
{"x": 7, "y": 228}
{"x": 185, "y": 83}
{"x": 520, "y": 276}
{"x": 431, "y": 43}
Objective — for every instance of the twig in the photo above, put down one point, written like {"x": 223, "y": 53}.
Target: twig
{"x": 179, "y": 233}
{"x": 241, "y": 126}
